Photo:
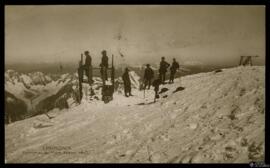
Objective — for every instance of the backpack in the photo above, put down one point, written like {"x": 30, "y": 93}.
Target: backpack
{"x": 156, "y": 82}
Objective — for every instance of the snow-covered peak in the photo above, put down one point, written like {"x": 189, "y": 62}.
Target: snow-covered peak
{"x": 135, "y": 79}
{"x": 28, "y": 79}
{"x": 64, "y": 76}
{"x": 40, "y": 78}
{"x": 10, "y": 71}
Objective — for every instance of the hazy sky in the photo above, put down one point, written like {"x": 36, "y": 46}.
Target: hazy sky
{"x": 191, "y": 34}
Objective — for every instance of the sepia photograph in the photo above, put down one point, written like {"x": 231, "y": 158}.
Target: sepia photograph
{"x": 180, "y": 84}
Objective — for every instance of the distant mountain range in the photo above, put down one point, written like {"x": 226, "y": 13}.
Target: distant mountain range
{"x": 30, "y": 94}
{"x": 54, "y": 68}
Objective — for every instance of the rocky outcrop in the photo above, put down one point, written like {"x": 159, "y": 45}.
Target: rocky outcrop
{"x": 15, "y": 109}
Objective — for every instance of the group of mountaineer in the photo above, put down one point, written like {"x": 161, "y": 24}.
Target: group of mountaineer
{"x": 148, "y": 73}
{"x": 88, "y": 63}
{"x": 149, "y": 76}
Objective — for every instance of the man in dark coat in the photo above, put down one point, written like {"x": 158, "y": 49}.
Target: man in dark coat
{"x": 127, "y": 83}
{"x": 148, "y": 76}
{"x": 173, "y": 69}
{"x": 104, "y": 65}
{"x": 87, "y": 65}
{"x": 163, "y": 69}
{"x": 80, "y": 76}
{"x": 156, "y": 84}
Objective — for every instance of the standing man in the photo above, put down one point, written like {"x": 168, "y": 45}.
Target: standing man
{"x": 104, "y": 65}
{"x": 80, "y": 76}
{"x": 127, "y": 83}
{"x": 173, "y": 69}
{"x": 163, "y": 69}
{"x": 156, "y": 84}
{"x": 148, "y": 76}
{"x": 87, "y": 64}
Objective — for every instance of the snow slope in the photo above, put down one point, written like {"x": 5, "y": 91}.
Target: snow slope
{"x": 217, "y": 118}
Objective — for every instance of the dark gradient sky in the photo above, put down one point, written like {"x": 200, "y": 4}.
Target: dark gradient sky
{"x": 192, "y": 34}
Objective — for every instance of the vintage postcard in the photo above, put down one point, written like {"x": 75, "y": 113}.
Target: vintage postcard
{"x": 134, "y": 83}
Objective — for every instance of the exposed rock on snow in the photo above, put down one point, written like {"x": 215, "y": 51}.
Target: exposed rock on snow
{"x": 178, "y": 89}
{"x": 217, "y": 118}
{"x": 163, "y": 90}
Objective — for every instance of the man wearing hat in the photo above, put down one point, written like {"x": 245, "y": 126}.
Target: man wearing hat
{"x": 163, "y": 69}
{"x": 148, "y": 76}
{"x": 87, "y": 64}
{"x": 173, "y": 69}
{"x": 127, "y": 83}
{"x": 104, "y": 65}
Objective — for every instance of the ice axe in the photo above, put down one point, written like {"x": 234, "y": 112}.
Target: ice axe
{"x": 144, "y": 93}
{"x": 144, "y": 86}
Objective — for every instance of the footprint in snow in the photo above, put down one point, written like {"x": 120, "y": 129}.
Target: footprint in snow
{"x": 165, "y": 137}
{"x": 193, "y": 126}
{"x": 186, "y": 159}
{"x": 31, "y": 131}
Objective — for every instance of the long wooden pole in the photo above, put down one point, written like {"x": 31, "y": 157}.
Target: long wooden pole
{"x": 82, "y": 58}
{"x": 112, "y": 75}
